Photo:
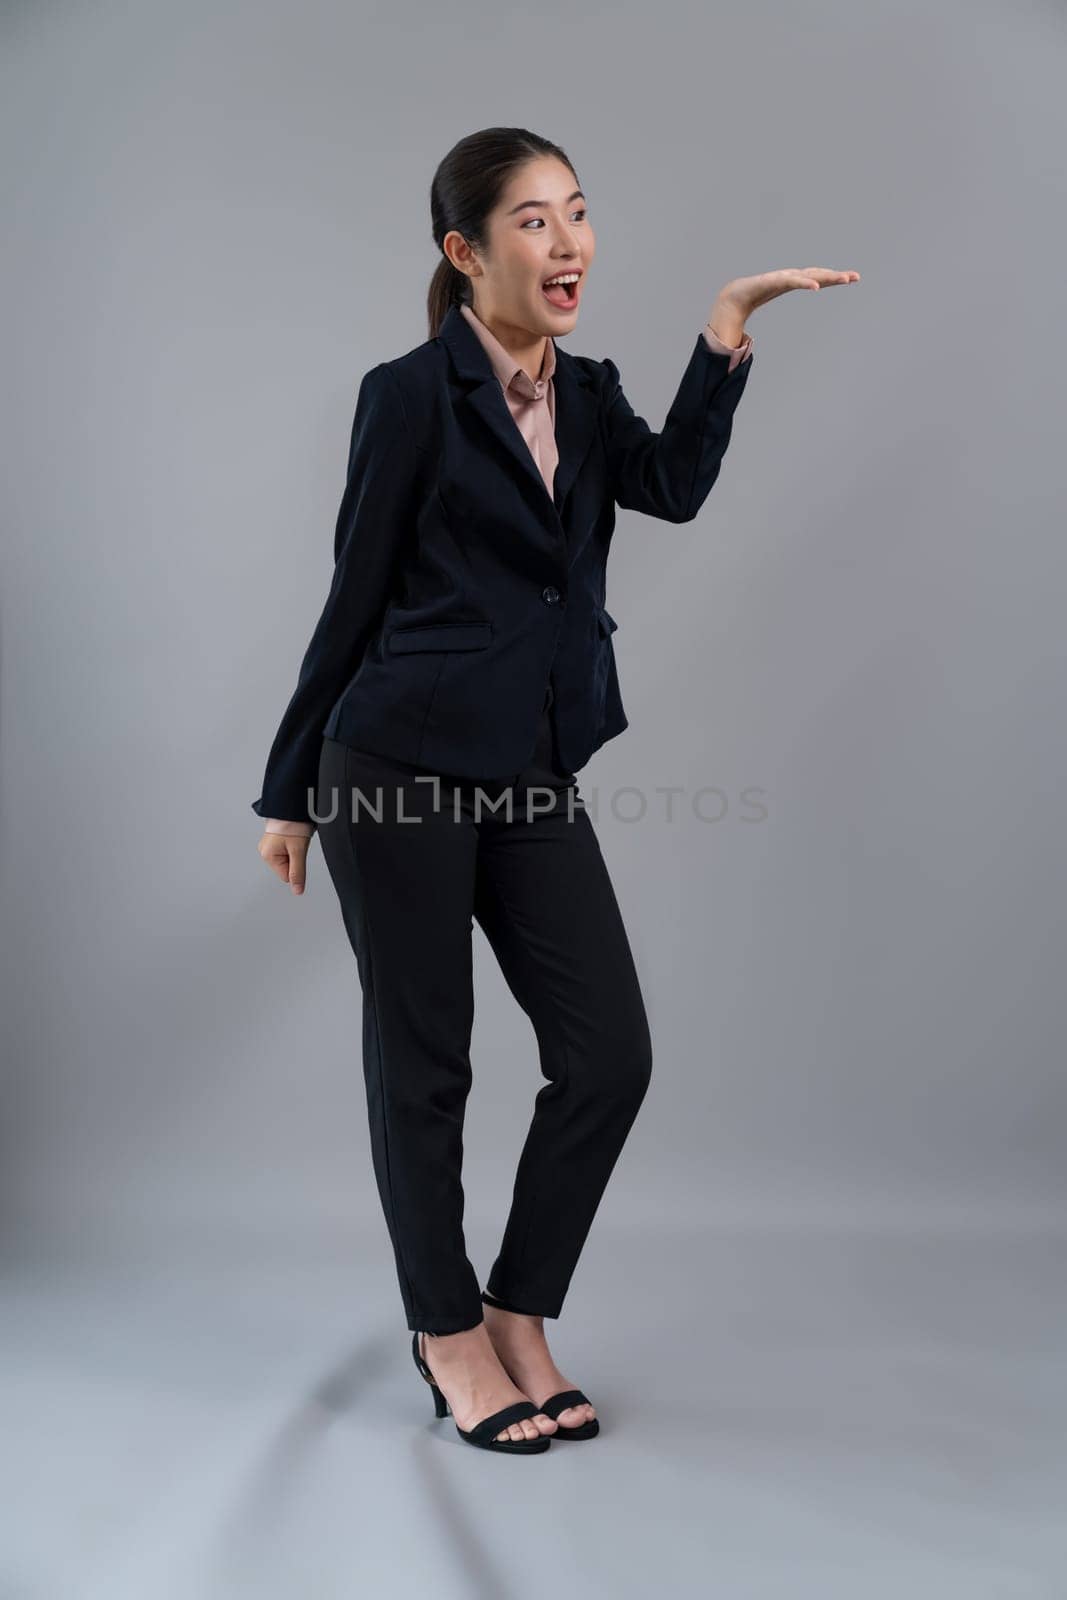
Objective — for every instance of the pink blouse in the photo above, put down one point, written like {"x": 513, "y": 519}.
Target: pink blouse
{"x": 533, "y": 405}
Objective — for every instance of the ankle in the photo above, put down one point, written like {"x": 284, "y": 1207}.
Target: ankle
{"x": 513, "y": 1321}
{"x": 463, "y": 1342}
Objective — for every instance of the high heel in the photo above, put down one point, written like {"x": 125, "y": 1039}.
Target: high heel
{"x": 555, "y": 1402}
{"x": 483, "y": 1433}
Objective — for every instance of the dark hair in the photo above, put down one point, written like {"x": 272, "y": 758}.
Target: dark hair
{"x": 466, "y": 187}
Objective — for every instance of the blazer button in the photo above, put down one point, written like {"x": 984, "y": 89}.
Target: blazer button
{"x": 550, "y": 595}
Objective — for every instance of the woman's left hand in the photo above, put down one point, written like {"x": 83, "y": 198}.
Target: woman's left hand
{"x": 741, "y": 296}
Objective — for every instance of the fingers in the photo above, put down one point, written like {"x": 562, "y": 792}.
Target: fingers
{"x": 286, "y": 855}
{"x": 298, "y": 854}
{"x": 820, "y": 277}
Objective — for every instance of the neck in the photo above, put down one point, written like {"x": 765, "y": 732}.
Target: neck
{"x": 527, "y": 348}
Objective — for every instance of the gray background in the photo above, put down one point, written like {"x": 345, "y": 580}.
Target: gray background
{"x": 821, "y": 1310}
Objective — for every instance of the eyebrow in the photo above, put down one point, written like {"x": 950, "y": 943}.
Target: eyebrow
{"x": 577, "y": 195}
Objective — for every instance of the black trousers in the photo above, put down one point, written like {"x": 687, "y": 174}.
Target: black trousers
{"x": 535, "y": 881}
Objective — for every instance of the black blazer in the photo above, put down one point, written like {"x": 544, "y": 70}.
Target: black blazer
{"x": 461, "y": 587}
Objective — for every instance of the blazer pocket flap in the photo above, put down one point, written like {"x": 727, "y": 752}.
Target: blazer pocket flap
{"x": 441, "y": 636}
{"x": 607, "y": 623}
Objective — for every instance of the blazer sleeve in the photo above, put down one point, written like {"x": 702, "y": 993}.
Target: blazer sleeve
{"x": 670, "y": 474}
{"x": 375, "y": 521}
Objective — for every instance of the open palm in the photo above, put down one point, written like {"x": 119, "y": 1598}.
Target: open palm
{"x": 746, "y": 294}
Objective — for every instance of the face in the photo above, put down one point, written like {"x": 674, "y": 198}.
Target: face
{"x": 539, "y": 229}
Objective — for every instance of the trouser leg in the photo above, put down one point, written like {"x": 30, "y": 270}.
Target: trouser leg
{"x": 406, "y": 893}
{"x": 545, "y": 901}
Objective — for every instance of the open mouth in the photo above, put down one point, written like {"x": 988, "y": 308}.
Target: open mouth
{"x": 564, "y": 296}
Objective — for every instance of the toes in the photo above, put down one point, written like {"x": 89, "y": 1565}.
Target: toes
{"x": 574, "y": 1416}
{"x": 526, "y": 1429}
{"x": 545, "y": 1423}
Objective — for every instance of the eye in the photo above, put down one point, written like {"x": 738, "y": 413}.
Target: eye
{"x": 582, "y": 212}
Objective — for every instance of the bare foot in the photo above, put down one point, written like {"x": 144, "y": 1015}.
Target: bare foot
{"x": 468, "y": 1372}
{"x": 519, "y": 1341}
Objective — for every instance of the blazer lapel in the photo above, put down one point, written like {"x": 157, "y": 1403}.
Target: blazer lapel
{"x": 576, "y": 414}
{"x": 576, "y": 421}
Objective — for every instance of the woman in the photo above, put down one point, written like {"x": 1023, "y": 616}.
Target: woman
{"x": 460, "y": 674}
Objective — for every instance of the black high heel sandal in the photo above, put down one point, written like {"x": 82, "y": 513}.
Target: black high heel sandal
{"x": 556, "y": 1402}
{"x": 483, "y": 1433}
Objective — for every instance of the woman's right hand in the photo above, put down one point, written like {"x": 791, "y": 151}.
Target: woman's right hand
{"x": 286, "y": 854}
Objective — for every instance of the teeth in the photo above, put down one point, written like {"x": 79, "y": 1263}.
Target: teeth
{"x": 564, "y": 277}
